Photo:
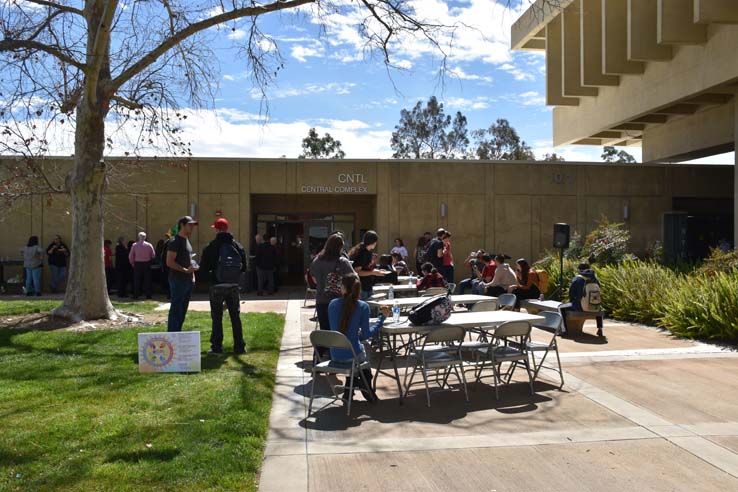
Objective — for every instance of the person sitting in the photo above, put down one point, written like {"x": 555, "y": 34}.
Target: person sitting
{"x": 485, "y": 276}
{"x": 577, "y": 293}
{"x": 476, "y": 264}
{"x": 503, "y": 278}
{"x": 385, "y": 264}
{"x": 400, "y": 265}
{"x": 431, "y": 278}
{"x": 526, "y": 286}
{"x": 350, "y": 316}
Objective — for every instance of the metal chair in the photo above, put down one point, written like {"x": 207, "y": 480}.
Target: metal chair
{"x": 552, "y": 322}
{"x": 490, "y": 305}
{"x": 434, "y": 291}
{"x": 506, "y": 302}
{"x": 441, "y": 349}
{"x": 501, "y": 349}
{"x": 334, "y": 339}
{"x": 309, "y": 291}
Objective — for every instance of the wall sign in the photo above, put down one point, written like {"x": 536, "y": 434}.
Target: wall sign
{"x": 345, "y": 183}
{"x": 169, "y": 352}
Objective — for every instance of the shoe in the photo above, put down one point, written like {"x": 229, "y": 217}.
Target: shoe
{"x": 599, "y": 332}
{"x": 29, "y": 294}
{"x": 240, "y": 351}
{"x": 38, "y": 294}
{"x": 215, "y": 352}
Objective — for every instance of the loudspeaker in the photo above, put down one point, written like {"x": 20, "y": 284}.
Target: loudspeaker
{"x": 561, "y": 236}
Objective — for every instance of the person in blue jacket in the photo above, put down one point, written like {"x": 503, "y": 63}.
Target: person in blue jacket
{"x": 576, "y": 293}
{"x": 350, "y": 316}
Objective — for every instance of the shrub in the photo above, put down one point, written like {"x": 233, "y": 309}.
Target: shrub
{"x": 720, "y": 261}
{"x": 634, "y": 290}
{"x": 607, "y": 244}
{"x": 551, "y": 264}
{"x": 574, "y": 251}
{"x": 702, "y": 306}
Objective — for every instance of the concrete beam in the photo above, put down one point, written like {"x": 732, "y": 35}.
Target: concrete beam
{"x": 715, "y": 11}
{"x": 642, "y": 45}
{"x": 608, "y": 135}
{"x": 638, "y": 127}
{"x": 554, "y": 67}
{"x": 590, "y": 24}
{"x": 533, "y": 20}
{"x": 589, "y": 141}
{"x": 710, "y": 99}
{"x": 615, "y": 40}
{"x": 678, "y": 109}
{"x": 651, "y": 118}
{"x": 675, "y": 23}
{"x": 572, "y": 54}
{"x": 535, "y": 44}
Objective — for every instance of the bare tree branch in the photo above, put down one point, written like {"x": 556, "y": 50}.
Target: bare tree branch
{"x": 57, "y": 6}
{"x": 22, "y": 45}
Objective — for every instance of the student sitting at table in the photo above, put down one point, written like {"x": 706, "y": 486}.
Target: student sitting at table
{"x": 476, "y": 264}
{"x": 399, "y": 265}
{"x": 385, "y": 264}
{"x": 350, "y": 316}
{"x": 503, "y": 278}
{"x": 485, "y": 275}
{"x": 526, "y": 286}
{"x": 431, "y": 278}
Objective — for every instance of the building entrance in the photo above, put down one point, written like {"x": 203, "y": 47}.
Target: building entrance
{"x": 302, "y": 224}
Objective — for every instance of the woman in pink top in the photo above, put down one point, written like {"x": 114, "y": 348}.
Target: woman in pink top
{"x": 141, "y": 255}
{"x": 448, "y": 259}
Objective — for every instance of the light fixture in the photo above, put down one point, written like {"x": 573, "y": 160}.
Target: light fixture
{"x": 193, "y": 210}
{"x": 444, "y": 210}
{"x": 626, "y": 211}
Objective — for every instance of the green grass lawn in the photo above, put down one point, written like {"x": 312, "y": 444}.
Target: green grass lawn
{"x": 77, "y": 416}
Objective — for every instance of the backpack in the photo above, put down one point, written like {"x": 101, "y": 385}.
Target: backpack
{"x": 592, "y": 298}
{"x": 542, "y": 280}
{"x": 230, "y": 264}
{"x": 433, "y": 311}
{"x": 333, "y": 283}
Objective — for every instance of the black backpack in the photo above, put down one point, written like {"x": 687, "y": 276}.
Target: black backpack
{"x": 434, "y": 310}
{"x": 230, "y": 264}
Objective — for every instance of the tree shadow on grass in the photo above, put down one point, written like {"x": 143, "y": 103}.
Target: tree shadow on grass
{"x": 144, "y": 455}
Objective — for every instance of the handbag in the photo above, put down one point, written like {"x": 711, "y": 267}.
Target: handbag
{"x": 433, "y": 311}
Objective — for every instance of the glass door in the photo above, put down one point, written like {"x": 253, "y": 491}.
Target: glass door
{"x": 316, "y": 233}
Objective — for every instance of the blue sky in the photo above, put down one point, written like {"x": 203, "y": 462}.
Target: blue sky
{"x": 328, "y": 82}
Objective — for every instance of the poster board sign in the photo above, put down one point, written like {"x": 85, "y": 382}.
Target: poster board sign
{"x": 169, "y": 352}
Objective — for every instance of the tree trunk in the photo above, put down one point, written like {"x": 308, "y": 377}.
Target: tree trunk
{"x": 86, "y": 296}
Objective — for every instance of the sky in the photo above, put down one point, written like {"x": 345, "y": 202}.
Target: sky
{"x": 331, "y": 83}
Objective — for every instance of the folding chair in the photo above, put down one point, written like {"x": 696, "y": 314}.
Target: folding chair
{"x": 434, "y": 291}
{"x": 334, "y": 339}
{"x": 506, "y": 302}
{"x": 501, "y": 349}
{"x": 441, "y": 349}
{"x": 552, "y": 322}
{"x": 490, "y": 305}
{"x": 309, "y": 291}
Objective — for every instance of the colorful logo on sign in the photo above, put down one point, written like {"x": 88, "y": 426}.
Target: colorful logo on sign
{"x": 159, "y": 352}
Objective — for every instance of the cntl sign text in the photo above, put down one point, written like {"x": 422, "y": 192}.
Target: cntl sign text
{"x": 347, "y": 183}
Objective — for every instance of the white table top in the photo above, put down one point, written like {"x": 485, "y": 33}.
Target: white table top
{"x": 486, "y": 319}
{"x": 398, "y": 288}
{"x": 403, "y": 279}
{"x": 412, "y": 301}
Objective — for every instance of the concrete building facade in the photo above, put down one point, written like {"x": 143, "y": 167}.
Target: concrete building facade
{"x": 661, "y": 74}
{"x": 505, "y": 207}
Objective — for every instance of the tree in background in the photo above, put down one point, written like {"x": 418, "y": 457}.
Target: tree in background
{"x": 100, "y": 66}
{"x": 325, "y": 147}
{"x": 611, "y": 154}
{"x": 501, "y": 142}
{"x": 427, "y": 132}
{"x": 553, "y": 158}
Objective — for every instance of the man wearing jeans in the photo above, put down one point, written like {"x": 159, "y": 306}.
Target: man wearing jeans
{"x": 181, "y": 272}
{"x": 266, "y": 259}
{"x": 224, "y": 260}
{"x": 141, "y": 255}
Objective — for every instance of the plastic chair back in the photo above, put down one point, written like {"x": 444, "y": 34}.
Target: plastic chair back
{"x": 446, "y": 334}
{"x": 330, "y": 339}
{"x": 490, "y": 305}
{"x": 507, "y": 301}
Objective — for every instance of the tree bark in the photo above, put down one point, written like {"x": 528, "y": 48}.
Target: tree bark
{"x": 86, "y": 296}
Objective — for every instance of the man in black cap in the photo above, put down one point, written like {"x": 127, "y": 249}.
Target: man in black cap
{"x": 181, "y": 272}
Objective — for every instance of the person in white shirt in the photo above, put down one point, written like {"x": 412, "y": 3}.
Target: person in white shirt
{"x": 400, "y": 248}
{"x": 504, "y": 278}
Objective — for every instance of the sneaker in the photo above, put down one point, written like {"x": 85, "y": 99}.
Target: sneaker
{"x": 215, "y": 352}
{"x": 240, "y": 351}
{"x": 599, "y": 332}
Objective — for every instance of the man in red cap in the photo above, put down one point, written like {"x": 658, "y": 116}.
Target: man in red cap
{"x": 224, "y": 260}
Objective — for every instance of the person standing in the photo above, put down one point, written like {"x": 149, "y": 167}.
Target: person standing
{"x": 122, "y": 267}
{"x": 266, "y": 259}
{"x": 421, "y": 251}
{"x": 364, "y": 263}
{"x": 434, "y": 254}
{"x": 328, "y": 268}
{"x": 141, "y": 255}
{"x": 181, "y": 272}
{"x": 447, "y": 267}
{"x": 224, "y": 260}
{"x": 400, "y": 248}
{"x": 107, "y": 256}
{"x": 57, "y": 254}
{"x": 33, "y": 265}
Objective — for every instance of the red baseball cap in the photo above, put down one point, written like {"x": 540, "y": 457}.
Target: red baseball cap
{"x": 221, "y": 224}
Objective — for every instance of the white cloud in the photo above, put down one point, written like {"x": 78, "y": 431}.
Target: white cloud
{"x": 403, "y": 64}
{"x": 339, "y": 88}
{"x": 462, "y": 103}
{"x": 517, "y": 72}
{"x": 459, "y": 73}
{"x": 236, "y": 34}
{"x": 531, "y": 98}
{"x": 301, "y": 53}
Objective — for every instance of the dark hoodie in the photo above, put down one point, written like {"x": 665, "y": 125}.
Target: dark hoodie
{"x": 212, "y": 251}
{"x": 576, "y": 289}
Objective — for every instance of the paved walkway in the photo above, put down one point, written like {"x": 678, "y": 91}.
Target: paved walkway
{"x": 641, "y": 411}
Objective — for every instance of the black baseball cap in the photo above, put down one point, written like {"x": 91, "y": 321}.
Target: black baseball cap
{"x": 186, "y": 220}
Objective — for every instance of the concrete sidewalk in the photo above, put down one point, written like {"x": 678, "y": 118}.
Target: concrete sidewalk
{"x": 640, "y": 410}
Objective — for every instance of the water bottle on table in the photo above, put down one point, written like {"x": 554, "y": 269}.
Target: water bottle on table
{"x": 396, "y": 312}
{"x": 391, "y": 293}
